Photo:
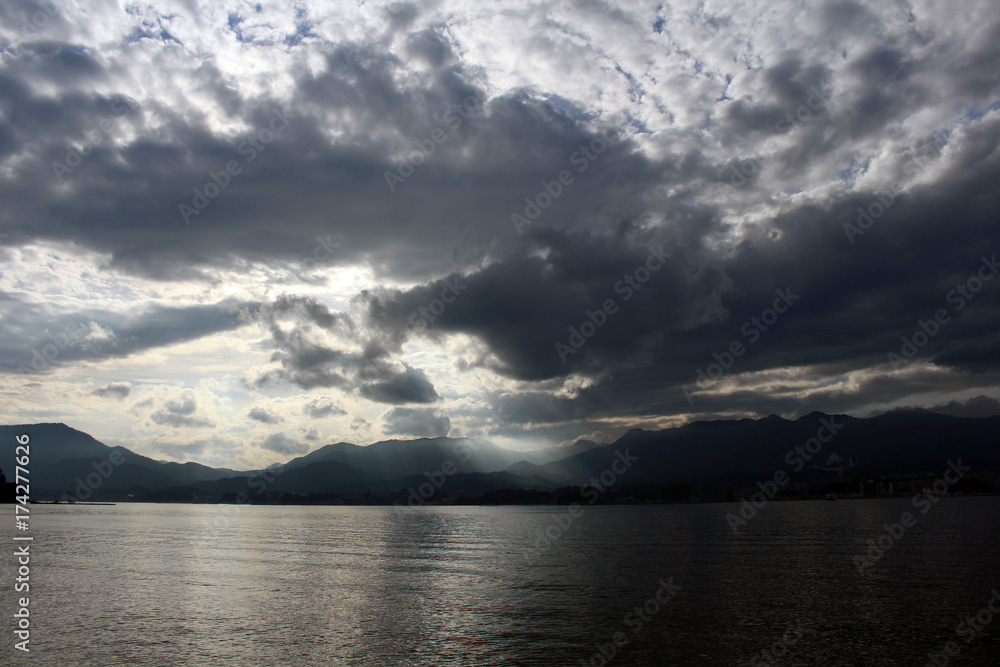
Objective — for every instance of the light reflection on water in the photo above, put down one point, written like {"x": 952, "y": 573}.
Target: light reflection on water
{"x": 144, "y": 584}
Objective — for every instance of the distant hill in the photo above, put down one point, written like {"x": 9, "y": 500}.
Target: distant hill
{"x": 725, "y": 451}
{"x": 61, "y": 455}
{"x": 746, "y": 450}
{"x": 398, "y": 458}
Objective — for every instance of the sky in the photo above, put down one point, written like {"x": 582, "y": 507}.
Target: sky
{"x": 232, "y": 232}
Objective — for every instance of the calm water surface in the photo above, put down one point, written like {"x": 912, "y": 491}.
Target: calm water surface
{"x": 144, "y": 584}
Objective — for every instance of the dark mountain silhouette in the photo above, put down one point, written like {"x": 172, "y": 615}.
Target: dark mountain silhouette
{"x": 316, "y": 477}
{"x": 62, "y": 456}
{"x": 724, "y": 451}
{"x": 398, "y": 458}
{"x": 745, "y": 450}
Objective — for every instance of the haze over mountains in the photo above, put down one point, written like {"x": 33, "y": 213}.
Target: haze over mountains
{"x": 729, "y": 452}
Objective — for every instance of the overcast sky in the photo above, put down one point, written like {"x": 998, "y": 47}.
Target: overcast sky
{"x": 232, "y": 232}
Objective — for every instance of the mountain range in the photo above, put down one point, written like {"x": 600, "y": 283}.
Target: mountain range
{"x": 67, "y": 463}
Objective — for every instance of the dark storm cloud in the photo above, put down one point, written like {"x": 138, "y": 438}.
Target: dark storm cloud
{"x": 311, "y": 344}
{"x": 305, "y": 359}
{"x": 855, "y": 303}
{"x": 322, "y": 407}
{"x": 791, "y": 83}
{"x": 418, "y": 423}
{"x": 263, "y": 416}
{"x": 119, "y": 390}
{"x": 36, "y": 339}
{"x": 124, "y": 197}
{"x": 523, "y": 306}
{"x": 410, "y": 386}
